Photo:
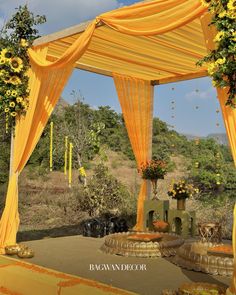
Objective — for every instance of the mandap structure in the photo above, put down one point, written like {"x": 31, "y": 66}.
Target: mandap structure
{"x": 139, "y": 46}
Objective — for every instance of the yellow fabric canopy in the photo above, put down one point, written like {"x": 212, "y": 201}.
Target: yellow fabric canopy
{"x": 158, "y": 41}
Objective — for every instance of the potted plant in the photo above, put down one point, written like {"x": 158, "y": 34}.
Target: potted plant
{"x": 181, "y": 191}
{"x": 153, "y": 170}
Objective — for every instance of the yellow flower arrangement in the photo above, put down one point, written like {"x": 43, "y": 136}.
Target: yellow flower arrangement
{"x": 15, "y": 80}
{"x": 14, "y": 93}
{"x": 17, "y": 36}
{"x": 211, "y": 68}
{"x": 2, "y": 60}
{"x": 82, "y": 172}
{"x": 222, "y": 14}
{"x": 6, "y": 79}
{"x": 232, "y": 5}
{"x": 24, "y": 43}
{"x": 219, "y": 36}
{"x": 182, "y": 190}
{"x": 16, "y": 64}
{"x": 205, "y": 3}
{"x": 6, "y": 54}
{"x": 3, "y": 73}
{"x": 8, "y": 92}
{"x": 220, "y": 61}
{"x": 19, "y": 99}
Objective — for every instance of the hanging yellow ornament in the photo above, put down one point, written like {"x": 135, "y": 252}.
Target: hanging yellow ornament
{"x": 51, "y": 145}
{"x": 66, "y": 154}
{"x": 7, "y": 122}
{"x": 70, "y": 164}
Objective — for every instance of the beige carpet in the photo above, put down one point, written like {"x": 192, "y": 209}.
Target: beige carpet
{"x": 76, "y": 255}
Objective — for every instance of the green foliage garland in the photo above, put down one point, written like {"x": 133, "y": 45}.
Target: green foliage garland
{"x": 221, "y": 61}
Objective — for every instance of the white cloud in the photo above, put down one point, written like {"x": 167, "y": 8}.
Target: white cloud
{"x": 60, "y": 14}
{"x": 206, "y": 94}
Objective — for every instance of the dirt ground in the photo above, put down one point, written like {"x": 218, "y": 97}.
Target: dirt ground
{"x": 76, "y": 254}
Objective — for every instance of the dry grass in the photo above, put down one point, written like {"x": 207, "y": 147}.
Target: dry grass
{"x": 46, "y": 202}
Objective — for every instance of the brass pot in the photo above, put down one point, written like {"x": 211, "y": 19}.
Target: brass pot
{"x": 201, "y": 288}
{"x": 26, "y": 253}
{"x": 12, "y": 249}
{"x": 181, "y": 204}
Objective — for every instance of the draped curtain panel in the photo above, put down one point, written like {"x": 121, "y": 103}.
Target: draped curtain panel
{"x": 229, "y": 117}
{"x": 136, "y": 100}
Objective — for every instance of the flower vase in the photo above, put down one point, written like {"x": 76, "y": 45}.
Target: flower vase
{"x": 181, "y": 204}
{"x": 154, "y": 189}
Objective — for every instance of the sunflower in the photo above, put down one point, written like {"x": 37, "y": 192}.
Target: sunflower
{"x": 7, "y": 79}
{"x": 6, "y": 54}
{"x": 16, "y": 64}
{"x": 12, "y": 104}
{"x": 211, "y": 68}
{"x": 8, "y": 92}
{"x": 232, "y": 5}
{"x": 220, "y": 35}
{"x": 19, "y": 99}
{"x": 14, "y": 93}
{"x": 2, "y": 60}
{"x": 15, "y": 80}
{"x": 220, "y": 61}
{"x": 205, "y": 3}
{"x": 222, "y": 14}
{"x": 6, "y": 110}
{"x": 24, "y": 43}
{"x": 13, "y": 114}
{"x": 3, "y": 73}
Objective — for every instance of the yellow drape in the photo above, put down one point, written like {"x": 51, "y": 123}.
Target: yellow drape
{"x": 229, "y": 117}
{"x": 136, "y": 100}
{"x": 154, "y": 17}
{"x": 232, "y": 288}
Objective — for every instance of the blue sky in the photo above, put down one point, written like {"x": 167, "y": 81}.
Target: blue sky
{"x": 195, "y": 100}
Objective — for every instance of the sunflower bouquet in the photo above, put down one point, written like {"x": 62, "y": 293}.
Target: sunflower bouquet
{"x": 182, "y": 190}
{"x": 16, "y": 37}
{"x": 154, "y": 169}
{"x": 13, "y": 82}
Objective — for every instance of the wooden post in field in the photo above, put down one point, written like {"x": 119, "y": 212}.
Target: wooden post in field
{"x": 70, "y": 164}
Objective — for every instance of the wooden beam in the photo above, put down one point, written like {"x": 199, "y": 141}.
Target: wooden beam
{"x": 94, "y": 70}
{"x": 180, "y": 78}
{"x": 107, "y": 73}
{"x": 61, "y": 34}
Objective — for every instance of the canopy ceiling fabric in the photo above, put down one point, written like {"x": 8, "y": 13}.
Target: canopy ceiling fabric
{"x": 139, "y": 40}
